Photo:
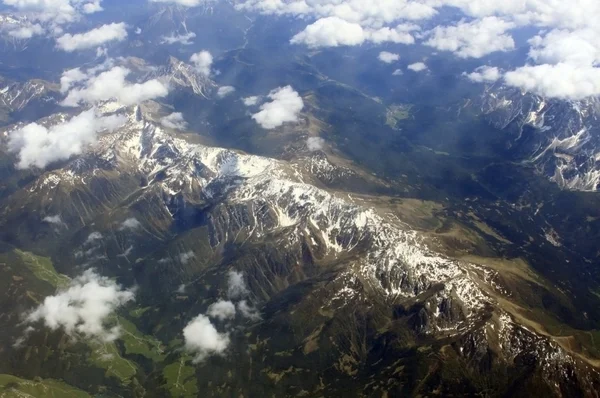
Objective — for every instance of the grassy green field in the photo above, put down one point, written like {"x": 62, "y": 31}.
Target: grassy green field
{"x": 11, "y": 386}
{"x": 43, "y": 269}
{"x": 180, "y": 376}
{"x": 137, "y": 343}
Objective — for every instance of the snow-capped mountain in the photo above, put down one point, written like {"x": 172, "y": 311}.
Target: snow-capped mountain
{"x": 175, "y": 73}
{"x": 561, "y": 137}
{"x": 371, "y": 259}
{"x": 17, "y": 96}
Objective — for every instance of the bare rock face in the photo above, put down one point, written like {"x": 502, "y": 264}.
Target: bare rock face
{"x": 339, "y": 282}
{"x": 560, "y": 137}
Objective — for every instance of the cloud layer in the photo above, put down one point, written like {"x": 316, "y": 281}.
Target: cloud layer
{"x": 566, "y": 41}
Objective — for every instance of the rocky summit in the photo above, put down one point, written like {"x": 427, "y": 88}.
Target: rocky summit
{"x": 299, "y": 199}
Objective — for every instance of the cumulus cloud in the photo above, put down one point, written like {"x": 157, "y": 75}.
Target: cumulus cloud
{"x": 202, "y": 62}
{"x": 57, "y": 12}
{"x": 248, "y": 311}
{"x": 92, "y": 7}
{"x": 84, "y": 308}
{"x": 129, "y": 224}
{"x": 417, "y": 67}
{"x": 330, "y": 32}
{"x": 38, "y": 146}
{"x": 71, "y": 77}
{"x": 399, "y": 34}
{"x": 27, "y": 31}
{"x": 285, "y": 106}
{"x": 334, "y": 31}
{"x": 203, "y": 339}
{"x": 374, "y": 13}
{"x": 93, "y": 237}
{"x": 236, "y": 286}
{"x": 580, "y": 47}
{"x": 315, "y": 143}
{"x": 485, "y": 74}
{"x": 565, "y": 81}
{"x": 251, "y": 101}
{"x": 186, "y": 257}
{"x": 398, "y": 72}
{"x": 222, "y": 310}
{"x": 473, "y": 39}
{"x": 186, "y": 3}
{"x": 174, "y": 121}
{"x": 567, "y": 38}
{"x": 56, "y": 220}
{"x": 94, "y": 38}
{"x": 112, "y": 84}
{"x": 224, "y": 91}
{"x": 388, "y": 57}
{"x": 567, "y": 65}
{"x": 184, "y": 39}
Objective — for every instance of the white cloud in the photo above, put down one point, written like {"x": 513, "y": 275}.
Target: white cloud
{"x": 130, "y": 223}
{"x": 57, "y": 12}
{"x": 567, "y": 40}
{"x": 203, "y": 339}
{"x": 398, "y": 72}
{"x": 388, "y": 57}
{"x": 93, "y": 237}
{"x": 566, "y": 81}
{"x": 315, "y": 143}
{"x": 174, "y": 121}
{"x": 222, "y": 310}
{"x": 580, "y": 47}
{"x": 186, "y": 3}
{"x": 572, "y": 14}
{"x": 248, "y": 311}
{"x": 70, "y": 77}
{"x": 373, "y": 13}
{"x": 92, "y": 7}
{"x": 400, "y": 34}
{"x": 473, "y": 39}
{"x": 285, "y": 106}
{"x": 111, "y": 84}
{"x": 38, "y": 146}
{"x": 334, "y": 32}
{"x": 186, "y": 257}
{"x": 84, "y": 308}
{"x": 417, "y": 67}
{"x": 185, "y": 39}
{"x": 330, "y": 32}
{"x": 27, "y": 31}
{"x": 224, "y": 91}
{"x": 56, "y": 220}
{"x": 93, "y": 38}
{"x": 236, "y": 287}
{"x": 202, "y": 62}
{"x": 251, "y": 101}
{"x": 485, "y": 74}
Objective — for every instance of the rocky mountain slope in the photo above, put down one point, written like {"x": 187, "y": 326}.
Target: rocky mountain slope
{"x": 560, "y": 137}
{"x": 353, "y": 299}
